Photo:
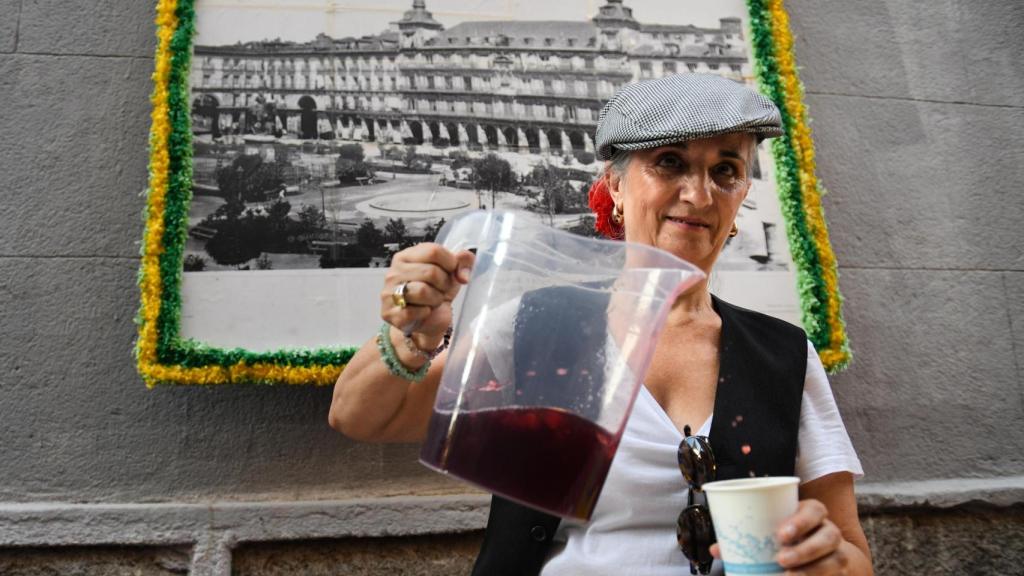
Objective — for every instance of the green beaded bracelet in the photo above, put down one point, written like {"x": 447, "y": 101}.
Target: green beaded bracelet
{"x": 395, "y": 366}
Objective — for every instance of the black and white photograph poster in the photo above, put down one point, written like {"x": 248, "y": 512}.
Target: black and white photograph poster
{"x": 330, "y": 134}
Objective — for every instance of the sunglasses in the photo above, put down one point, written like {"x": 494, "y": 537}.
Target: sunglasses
{"x": 694, "y": 530}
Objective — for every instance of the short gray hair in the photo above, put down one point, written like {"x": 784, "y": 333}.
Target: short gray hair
{"x": 619, "y": 161}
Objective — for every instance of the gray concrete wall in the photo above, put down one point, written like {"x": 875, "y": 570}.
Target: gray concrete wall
{"x": 919, "y": 124}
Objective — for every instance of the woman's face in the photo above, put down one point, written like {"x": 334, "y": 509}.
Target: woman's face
{"x": 683, "y": 197}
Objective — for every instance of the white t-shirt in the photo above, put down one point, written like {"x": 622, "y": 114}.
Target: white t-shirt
{"x": 633, "y": 527}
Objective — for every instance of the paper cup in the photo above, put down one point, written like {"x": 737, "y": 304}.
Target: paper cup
{"x": 746, "y": 513}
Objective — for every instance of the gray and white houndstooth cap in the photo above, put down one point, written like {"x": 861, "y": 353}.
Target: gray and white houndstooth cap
{"x": 682, "y": 107}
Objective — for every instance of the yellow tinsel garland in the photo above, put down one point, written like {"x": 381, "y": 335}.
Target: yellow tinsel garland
{"x": 159, "y": 167}
{"x": 836, "y": 353}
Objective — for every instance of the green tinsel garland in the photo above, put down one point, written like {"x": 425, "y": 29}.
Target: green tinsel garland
{"x": 810, "y": 284}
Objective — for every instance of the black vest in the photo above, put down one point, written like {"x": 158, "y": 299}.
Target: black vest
{"x": 762, "y": 366}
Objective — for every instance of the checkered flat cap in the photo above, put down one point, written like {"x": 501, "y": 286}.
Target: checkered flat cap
{"x": 682, "y": 107}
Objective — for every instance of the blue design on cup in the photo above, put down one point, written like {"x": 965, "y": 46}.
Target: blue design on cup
{"x": 752, "y": 548}
{"x": 750, "y": 554}
{"x": 759, "y": 568}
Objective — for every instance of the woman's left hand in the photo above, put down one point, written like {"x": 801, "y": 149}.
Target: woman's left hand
{"x": 811, "y": 543}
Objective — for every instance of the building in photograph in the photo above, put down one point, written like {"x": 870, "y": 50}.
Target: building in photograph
{"x": 508, "y": 85}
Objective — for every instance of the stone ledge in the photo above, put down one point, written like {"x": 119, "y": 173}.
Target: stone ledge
{"x": 57, "y": 524}
{"x": 943, "y": 493}
{"x": 215, "y": 531}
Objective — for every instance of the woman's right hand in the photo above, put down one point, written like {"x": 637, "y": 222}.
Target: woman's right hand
{"x": 433, "y": 276}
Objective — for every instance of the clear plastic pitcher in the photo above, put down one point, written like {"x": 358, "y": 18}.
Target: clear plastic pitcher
{"x": 552, "y": 337}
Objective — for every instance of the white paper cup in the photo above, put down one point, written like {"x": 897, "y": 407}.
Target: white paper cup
{"x": 746, "y": 514}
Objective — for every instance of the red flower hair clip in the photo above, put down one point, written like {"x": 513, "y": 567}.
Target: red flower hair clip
{"x": 602, "y": 204}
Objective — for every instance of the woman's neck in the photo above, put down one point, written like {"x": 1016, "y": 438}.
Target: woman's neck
{"x": 694, "y": 304}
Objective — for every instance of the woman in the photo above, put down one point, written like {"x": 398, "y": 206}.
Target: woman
{"x": 679, "y": 152}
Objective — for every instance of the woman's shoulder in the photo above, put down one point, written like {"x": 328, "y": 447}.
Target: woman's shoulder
{"x": 758, "y": 322}
{"x": 778, "y": 344}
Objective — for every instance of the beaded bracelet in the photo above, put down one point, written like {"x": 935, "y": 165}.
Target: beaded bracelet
{"x": 411, "y": 346}
{"x": 395, "y": 366}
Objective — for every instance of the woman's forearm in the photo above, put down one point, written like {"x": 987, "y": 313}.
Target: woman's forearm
{"x": 371, "y": 404}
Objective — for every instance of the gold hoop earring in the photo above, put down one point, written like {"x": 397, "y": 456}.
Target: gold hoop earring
{"x": 617, "y": 216}
{"x": 735, "y": 230}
